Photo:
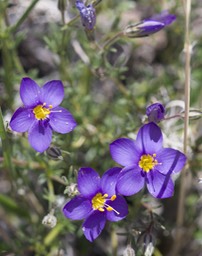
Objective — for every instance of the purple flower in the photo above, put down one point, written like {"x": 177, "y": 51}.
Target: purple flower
{"x": 41, "y": 113}
{"x": 146, "y": 162}
{"x": 87, "y": 13}
{"x": 150, "y": 26}
{"x": 155, "y": 112}
{"x": 97, "y": 201}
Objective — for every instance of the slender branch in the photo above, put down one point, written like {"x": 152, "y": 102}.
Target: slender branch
{"x": 6, "y": 150}
{"x": 24, "y": 16}
{"x": 183, "y": 187}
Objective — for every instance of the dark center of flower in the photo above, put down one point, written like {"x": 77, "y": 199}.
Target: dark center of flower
{"x": 99, "y": 202}
{"x": 147, "y": 162}
{"x": 41, "y": 112}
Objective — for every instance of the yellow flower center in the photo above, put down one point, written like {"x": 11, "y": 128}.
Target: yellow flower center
{"x": 147, "y": 162}
{"x": 41, "y": 112}
{"x": 99, "y": 202}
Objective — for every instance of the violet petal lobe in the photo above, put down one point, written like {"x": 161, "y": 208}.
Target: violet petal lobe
{"x": 40, "y": 135}
{"x": 149, "y": 138}
{"x": 120, "y": 205}
{"x": 77, "y": 208}
{"x": 93, "y": 225}
{"x": 148, "y": 27}
{"x": 159, "y": 185}
{"x": 170, "y": 161}
{"x": 124, "y": 151}
{"x": 22, "y": 120}
{"x": 130, "y": 181}
{"x": 52, "y": 93}
{"x": 109, "y": 180}
{"x": 30, "y": 92}
{"x": 88, "y": 182}
{"x": 61, "y": 120}
{"x": 164, "y": 17}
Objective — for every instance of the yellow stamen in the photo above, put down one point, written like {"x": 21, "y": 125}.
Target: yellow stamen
{"x": 113, "y": 198}
{"x": 41, "y": 112}
{"x": 99, "y": 202}
{"x": 147, "y": 162}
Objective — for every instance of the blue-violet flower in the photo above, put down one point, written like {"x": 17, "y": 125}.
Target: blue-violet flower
{"x": 97, "y": 201}
{"x": 145, "y": 161}
{"x": 41, "y": 113}
{"x": 150, "y": 26}
{"x": 155, "y": 112}
{"x": 87, "y": 13}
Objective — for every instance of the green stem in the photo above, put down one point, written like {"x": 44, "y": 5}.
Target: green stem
{"x": 6, "y": 150}
{"x": 114, "y": 242}
{"x": 111, "y": 40}
{"x": 51, "y": 191}
{"x": 24, "y": 16}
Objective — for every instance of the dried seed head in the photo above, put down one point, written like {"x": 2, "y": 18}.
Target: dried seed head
{"x": 129, "y": 251}
{"x": 49, "y": 220}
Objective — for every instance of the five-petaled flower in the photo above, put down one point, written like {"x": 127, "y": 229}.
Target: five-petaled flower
{"x": 87, "y": 13}
{"x": 149, "y": 26}
{"x": 155, "y": 112}
{"x": 146, "y": 161}
{"x": 97, "y": 201}
{"x": 41, "y": 113}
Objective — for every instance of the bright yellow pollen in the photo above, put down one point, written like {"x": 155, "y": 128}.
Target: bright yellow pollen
{"x": 147, "y": 162}
{"x": 41, "y": 112}
{"x": 99, "y": 202}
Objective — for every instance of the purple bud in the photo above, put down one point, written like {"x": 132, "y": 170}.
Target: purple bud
{"x": 87, "y": 13}
{"x": 150, "y": 26}
{"x": 155, "y": 112}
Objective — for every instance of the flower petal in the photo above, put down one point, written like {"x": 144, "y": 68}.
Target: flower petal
{"x": 78, "y": 208}
{"x": 149, "y": 138}
{"x": 29, "y": 92}
{"x": 171, "y": 161}
{"x": 22, "y": 120}
{"x": 130, "y": 181}
{"x": 164, "y": 17}
{"x": 159, "y": 185}
{"x": 124, "y": 151}
{"x": 40, "y": 135}
{"x": 61, "y": 120}
{"x": 120, "y": 205}
{"x": 109, "y": 180}
{"x": 94, "y": 225}
{"x": 52, "y": 93}
{"x": 88, "y": 182}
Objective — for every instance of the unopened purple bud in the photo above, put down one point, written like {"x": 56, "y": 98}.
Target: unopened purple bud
{"x": 164, "y": 17}
{"x": 149, "y": 26}
{"x": 155, "y": 112}
{"x": 87, "y": 13}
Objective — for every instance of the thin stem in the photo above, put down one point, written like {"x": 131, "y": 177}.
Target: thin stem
{"x": 183, "y": 187}
{"x": 24, "y": 16}
{"x": 6, "y": 150}
{"x": 111, "y": 40}
{"x": 114, "y": 242}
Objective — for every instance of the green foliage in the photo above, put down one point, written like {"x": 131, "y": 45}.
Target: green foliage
{"x": 108, "y": 83}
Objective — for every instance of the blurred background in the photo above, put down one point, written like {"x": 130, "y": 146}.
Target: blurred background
{"x": 107, "y": 89}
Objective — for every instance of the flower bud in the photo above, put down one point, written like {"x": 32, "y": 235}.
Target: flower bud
{"x": 49, "y": 220}
{"x": 54, "y": 153}
{"x": 149, "y": 26}
{"x": 129, "y": 251}
{"x": 87, "y": 13}
{"x": 62, "y": 5}
{"x": 71, "y": 190}
{"x": 155, "y": 112}
{"x": 144, "y": 28}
